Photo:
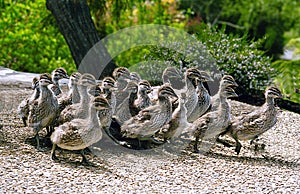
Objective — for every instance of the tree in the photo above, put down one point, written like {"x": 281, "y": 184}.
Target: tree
{"x": 75, "y": 23}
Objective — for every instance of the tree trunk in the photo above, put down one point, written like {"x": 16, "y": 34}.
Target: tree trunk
{"x": 75, "y": 23}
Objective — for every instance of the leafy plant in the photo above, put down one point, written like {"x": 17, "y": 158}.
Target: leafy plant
{"x": 233, "y": 55}
{"x": 29, "y": 45}
{"x": 261, "y": 18}
{"x": 288, "y": 78}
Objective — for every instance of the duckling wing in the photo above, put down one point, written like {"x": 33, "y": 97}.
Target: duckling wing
{"x": 140, "y": 122}
{"x": 23, "y": 108}
{"x": 68, "y": 136}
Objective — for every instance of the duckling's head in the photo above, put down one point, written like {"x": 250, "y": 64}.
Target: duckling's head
{"x": 135, "y": 77}
{"x": 131, "y": 87}
{"x": 205, "y": 77}
{"x": 273, "y": 92}
{"x": 75, "y": 76}
{"x": 34, "y": 83}
{"x": 121, "y": 73}
{"x": 145, "y": 86}
{"x": 94, "y": 90}
{"x": 87, "y": 80}
{"x": 73, "y": 80}
{"x": 229, "y": 92}
{"x": 44, "y": 82}
{"x": 170, "y": 72}
{"x": 46, "y": 76}
{"x": 228, "y": 80}
{"x": 193, "y": 73}
{"x": 59, "y": 73}
{"x": 166, "y": 90}
{"x": 108, "y": 82}
{"x": 101, "y": 103}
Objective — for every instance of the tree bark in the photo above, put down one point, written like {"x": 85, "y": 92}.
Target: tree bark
{"x": 76, "y": 25}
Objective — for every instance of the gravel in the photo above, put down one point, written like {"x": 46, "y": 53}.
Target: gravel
{"x": 119, "y": 170}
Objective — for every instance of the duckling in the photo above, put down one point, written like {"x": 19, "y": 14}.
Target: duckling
{"x": 204, "y": 100}
{"x": 73, "y": 87}
{"x": 108, "y": 88}
{"x": 58, "y": 74}
{"x": 143, "y": 100}
{"x": 42, "y": 110}
{"x": 151, "y": 119}
{"x": 79, "y": 134}
{"x": 122, "y": 112}
{"x": 73, "y": 96}
{"x": 122, "y": 76}
{"x": 212, "y": 124}
{"x": 135, "y": 77}
{"x": 23, "y": 108}
{"x": 175, "y": 78}
{"x": 252, "y": 125}
{"x": 95, "y": 90}
{"x": 79, "y": 110}
{"x": 227, "y": 80}
{"x": 178, "y": 122}
{"x": 191, "y": 75}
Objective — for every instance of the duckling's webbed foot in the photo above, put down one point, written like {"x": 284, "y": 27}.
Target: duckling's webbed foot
{"x": 155, "y": 141}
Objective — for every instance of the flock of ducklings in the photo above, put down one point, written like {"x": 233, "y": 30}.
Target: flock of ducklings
{"x": 131, "y": 112}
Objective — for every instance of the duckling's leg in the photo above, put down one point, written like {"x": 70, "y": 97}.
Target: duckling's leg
{"x": 24, "y": 119}
{"x": 123, "y": 143}
{"x": 84, "y": 160}
{"x": 53, "y": 156}
{"x": 238, "y": 146}
{"x": 38, "y": 146}
{"x": 196, "y": 150}
{"x": 50, "y": 130}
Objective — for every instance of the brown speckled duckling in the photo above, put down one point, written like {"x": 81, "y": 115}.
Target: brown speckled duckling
{"x": 151, "y": 119}
{"x": 252, "y": 125}
{"x": 43, "y": 110}
{"x": 212, "y": 124}
{"x": 79, "y": 134}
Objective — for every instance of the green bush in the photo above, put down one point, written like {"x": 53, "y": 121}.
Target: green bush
{"x": 233, "y": 55}
{"x": 27, "y": 42}
{"x": 288, "y": 78}
{"x": 240, "y": 58}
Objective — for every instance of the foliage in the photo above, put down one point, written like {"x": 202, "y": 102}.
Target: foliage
{"x": 270, "y": 18}
{"x": 235, "y": 56}
{"x": 162, "y": 12}
{"x": 288, "y": 78}
{"x": 26, "y": 43}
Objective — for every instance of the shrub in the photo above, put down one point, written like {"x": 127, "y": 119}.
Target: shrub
{"x": 288, "y": 78}
{"x": 27, "y": 43}
{"x": 233, "y": 55}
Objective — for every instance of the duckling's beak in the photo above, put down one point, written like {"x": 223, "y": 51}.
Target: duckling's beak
{"x": 280, "y": 96}
{"x": 33, "y": 86}
{"x": 206, "y": 78}
{"x": 149, "y": 90}
{"x": 233, "y": 94}
{"x": 234, "y": 84}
